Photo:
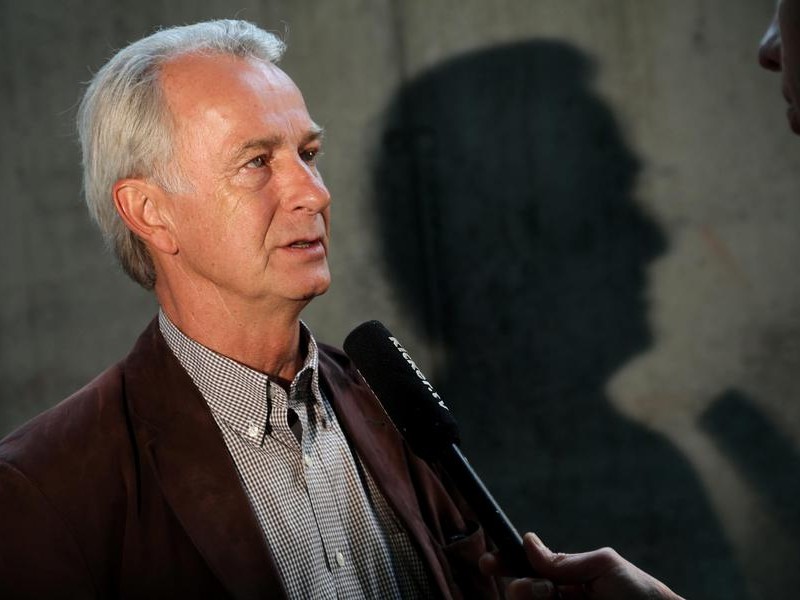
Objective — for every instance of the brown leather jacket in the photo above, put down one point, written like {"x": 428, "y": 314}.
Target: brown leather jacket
{"x": 126, "y": 489}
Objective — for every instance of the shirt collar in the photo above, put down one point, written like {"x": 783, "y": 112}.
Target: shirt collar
{"x": 238, "y": 394}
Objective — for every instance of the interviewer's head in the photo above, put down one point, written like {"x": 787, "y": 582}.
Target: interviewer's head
{"x": 780, "y": 51}
{"x": 125, "y": 126}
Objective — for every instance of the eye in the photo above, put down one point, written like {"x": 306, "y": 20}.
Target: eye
{"x": 310, "y": 155}
{"x": 259, "y": 162}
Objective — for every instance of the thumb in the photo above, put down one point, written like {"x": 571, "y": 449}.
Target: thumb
{"x": 569, "y": 568}
{"x": 540, "y": 556}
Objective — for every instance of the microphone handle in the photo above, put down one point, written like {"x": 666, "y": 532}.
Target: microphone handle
{"x": 495, "y": 522}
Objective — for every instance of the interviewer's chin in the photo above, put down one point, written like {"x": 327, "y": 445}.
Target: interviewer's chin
{"x": 794, "y": 118}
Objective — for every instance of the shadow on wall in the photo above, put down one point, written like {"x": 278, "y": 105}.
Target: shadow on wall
{"x": 766, "y": 458}
{"x": 503, "y": 192}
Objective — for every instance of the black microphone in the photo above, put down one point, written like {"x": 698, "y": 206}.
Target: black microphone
{"x": 422, "y": 417}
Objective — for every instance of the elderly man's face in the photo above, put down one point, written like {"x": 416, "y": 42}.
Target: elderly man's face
{"x": 780, "y": 51}
{"x": 254, "y": 224}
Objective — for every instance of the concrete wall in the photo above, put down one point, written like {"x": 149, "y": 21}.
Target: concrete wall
{"x": 580, "y": 216}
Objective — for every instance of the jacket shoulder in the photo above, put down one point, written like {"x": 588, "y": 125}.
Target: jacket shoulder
{"x": 65, "y": 429}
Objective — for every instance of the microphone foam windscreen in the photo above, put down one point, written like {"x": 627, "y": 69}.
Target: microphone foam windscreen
{"x": 407, "y": 396}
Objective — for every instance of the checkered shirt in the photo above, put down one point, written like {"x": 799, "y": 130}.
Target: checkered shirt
{"x": 329, "y": 528}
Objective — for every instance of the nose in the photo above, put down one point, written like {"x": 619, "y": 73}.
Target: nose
{"x": 769, "y": 50}
{"x": 306, "y": 191}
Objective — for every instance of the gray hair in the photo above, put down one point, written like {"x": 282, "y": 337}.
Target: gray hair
{"x": 125, "y": 127}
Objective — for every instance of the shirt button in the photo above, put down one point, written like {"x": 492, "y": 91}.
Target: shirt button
{"x": 339, "y": 558}
{"x": 252, "y": 430}
{"x": 307, "y": 460}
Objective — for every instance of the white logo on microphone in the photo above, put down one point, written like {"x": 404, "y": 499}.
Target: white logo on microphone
{"x": 416, "y": 370}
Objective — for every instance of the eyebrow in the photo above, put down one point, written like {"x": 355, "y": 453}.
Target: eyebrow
{"x": 314, "y": 133}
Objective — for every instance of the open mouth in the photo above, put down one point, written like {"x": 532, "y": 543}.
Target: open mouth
{"x": 307, "y": 244}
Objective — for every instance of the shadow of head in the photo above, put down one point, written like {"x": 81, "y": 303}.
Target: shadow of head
{"x": 503, "y": 192}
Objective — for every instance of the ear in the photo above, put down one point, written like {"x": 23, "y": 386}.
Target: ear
{"x": 142, "y": 206}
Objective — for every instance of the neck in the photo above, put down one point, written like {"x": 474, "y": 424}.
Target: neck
{"x": 263, "y": 337}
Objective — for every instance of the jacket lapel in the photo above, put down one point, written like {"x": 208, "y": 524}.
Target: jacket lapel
{"x": 182, "y": 444}
{"x": 381, "y": 449}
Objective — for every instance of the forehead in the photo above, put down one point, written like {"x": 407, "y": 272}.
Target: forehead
{"x": 220, "y": 98}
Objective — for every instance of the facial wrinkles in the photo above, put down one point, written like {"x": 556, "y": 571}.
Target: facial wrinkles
{"x": 213, "y": 190}
{"x": 235, "y": 106}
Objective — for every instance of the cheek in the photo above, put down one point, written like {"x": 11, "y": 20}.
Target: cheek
{"x": 203, "y": 233}
{"x": 253, "y": 231}
{"x": 244, "y": 215}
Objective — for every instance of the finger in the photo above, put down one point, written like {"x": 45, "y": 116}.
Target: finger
{"x": 569, "y": 568}
{"x": 572, "y": 592}
{"x": 490, "y": 565}
{"x": 531, "y": 589}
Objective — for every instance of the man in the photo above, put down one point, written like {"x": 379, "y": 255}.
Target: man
{"x": 780, "y": 51}
{"x": 228, "y": 455}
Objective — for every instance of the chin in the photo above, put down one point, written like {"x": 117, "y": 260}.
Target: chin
{"x": 311, "y": 295}
{"x": 313, "y": 291}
